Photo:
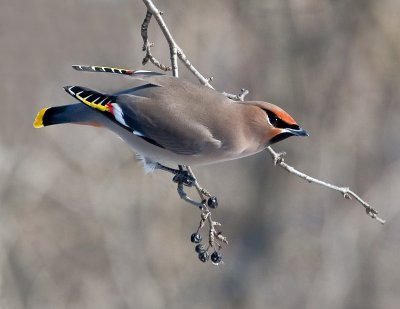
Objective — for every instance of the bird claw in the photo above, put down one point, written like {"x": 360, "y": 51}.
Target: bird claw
{"x": 184, "y": 178}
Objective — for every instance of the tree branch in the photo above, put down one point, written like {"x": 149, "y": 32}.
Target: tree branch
{"x": 173, "y": 47}
{"x": 147, "y": 45}
{"x": 345, "y": 191}
{"x": 176, "y": 52}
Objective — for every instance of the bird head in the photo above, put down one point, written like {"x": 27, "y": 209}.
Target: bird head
{"x": 280, "y": 125}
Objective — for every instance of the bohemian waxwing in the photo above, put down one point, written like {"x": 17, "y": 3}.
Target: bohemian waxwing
{"x": 172, "y": 121}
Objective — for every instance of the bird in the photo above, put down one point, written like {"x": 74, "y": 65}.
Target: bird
{"x": 171, "y": 121}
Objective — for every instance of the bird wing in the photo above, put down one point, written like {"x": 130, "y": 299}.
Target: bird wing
{"x": 164, "y": 124}
{"x": 150, "y": 119}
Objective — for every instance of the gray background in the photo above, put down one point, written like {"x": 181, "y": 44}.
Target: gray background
{"x": 81, "y": 226}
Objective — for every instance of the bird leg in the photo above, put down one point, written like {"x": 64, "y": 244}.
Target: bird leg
{"x": 215, "y": 236}
{"x": 184, "y": 176}
{"x": 180, "y": 175}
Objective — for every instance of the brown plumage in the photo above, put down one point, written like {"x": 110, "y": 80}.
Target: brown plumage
{"x": 170, "y": 120}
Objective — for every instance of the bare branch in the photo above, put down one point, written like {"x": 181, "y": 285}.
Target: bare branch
{"x": 345, "y": 191}
{"x": 143, "y": 29}
{"x": 203, "y": 193}
{"x": 173, "y": 47}
{"x": 192, "y": 69}
{"x": 175, "y": 53}
{"x": 183, "y": 195}
{"x": 238, "y": 97}
{"x": 147, "y": 45}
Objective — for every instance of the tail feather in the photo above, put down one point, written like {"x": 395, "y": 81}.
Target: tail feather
{"x": 102, "y": 69}
{"x": 93, "y": 68}
{"x": 75, "y": 113}
{"x": 38, "y": 123}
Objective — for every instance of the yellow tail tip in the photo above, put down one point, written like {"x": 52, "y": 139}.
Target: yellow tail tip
{"x": 38, "y": 123}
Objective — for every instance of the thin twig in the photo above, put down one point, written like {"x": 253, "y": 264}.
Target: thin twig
{"x": 345, "y": 191}
{"x": 203, "y": 193}
{"x": 191, "y": 68}
{"x": 144, "y": 28}
{"x": 237, "y": 97}
{"x": 173, "y": 47}
{"x": 147, "y": 45}
{"x": 176, "y": 52}
{"x": 183, "y": 195}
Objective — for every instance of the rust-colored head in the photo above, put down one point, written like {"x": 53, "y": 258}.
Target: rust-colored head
{"x": 279, "y": 124}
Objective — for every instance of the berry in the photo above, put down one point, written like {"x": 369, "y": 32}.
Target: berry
{"x": 203, "y": 256}
{"x": 200, "y": 248}
{"x": 216, "y": 257}
{"x": 212, "y": 202}
{"x": 195, "y": 238}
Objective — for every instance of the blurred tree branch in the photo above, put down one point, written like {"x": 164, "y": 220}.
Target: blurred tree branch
{"x": 175, "y": 53}
{"x": 345, "y": 191}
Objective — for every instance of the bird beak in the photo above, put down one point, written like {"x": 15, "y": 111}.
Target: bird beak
{"x": 297, "y": 132}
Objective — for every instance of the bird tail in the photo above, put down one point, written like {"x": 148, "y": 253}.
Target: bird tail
{"x": 76, "y": 113}
{"x": 95, "y": 68}
{"x": 101, "y": 69}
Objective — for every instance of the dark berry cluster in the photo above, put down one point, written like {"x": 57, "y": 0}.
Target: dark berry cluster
{"x": 202, "y": 251}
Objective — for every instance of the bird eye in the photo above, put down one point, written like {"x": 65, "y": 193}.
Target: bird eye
{"x": 277, "y": 122}
{"x": 272, "y": 118}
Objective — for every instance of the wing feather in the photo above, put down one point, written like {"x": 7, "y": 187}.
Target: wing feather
{"x": 149, "y": 76}
{"x": 163, "y": 125}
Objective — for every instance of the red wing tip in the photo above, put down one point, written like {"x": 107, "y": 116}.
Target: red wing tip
{"x": 110, "y": 108}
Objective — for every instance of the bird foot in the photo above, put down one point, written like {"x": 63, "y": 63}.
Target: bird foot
{"x": 180, "y": 176}
{"x": 184, "y": 178}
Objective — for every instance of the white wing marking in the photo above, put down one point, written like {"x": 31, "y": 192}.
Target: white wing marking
{"x": 118, "y": 114}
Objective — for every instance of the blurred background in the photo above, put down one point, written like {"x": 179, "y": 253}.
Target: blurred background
{"x": 82, "y": 226}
